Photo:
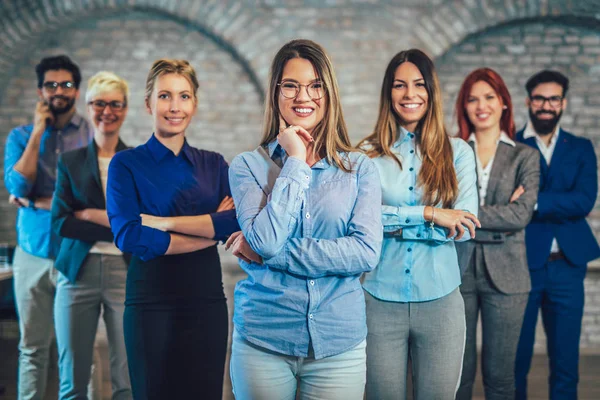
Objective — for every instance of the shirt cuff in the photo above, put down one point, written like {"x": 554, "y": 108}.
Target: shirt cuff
{"x": 161, "y": 241}
{"x": 224, "y": 224}
{"x": 394, "y": 218}
{"x": 423, "y": 232}
{"x": 297, "y": 170}
{"x": 17, "y": 184}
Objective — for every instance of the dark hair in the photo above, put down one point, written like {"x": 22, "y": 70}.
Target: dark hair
{"x": 437, "y": 175}
{"x": 492, "y": 78}
{"x": 547, "y": 76}
{"x": 54, "y": 64}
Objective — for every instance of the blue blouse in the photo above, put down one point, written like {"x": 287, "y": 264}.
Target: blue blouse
{"x": 318, "y": 229}
{"x": 422, "y": 264}
{"x": 150, "y": 179}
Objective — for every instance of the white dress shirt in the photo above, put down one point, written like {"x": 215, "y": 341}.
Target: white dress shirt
{"x": 104, "y": 247}
{"x": 547, "y": 152}
{"x": 483, "y": 174}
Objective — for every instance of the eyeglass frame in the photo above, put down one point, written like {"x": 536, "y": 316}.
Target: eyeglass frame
{"x": 107, "y": 104}
{"x": 51, "y": 86}
{"x": 543, "y": 99}
{"x": 300, "y": 88}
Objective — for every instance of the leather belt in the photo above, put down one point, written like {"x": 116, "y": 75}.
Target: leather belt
{"x": 559, "y": 255}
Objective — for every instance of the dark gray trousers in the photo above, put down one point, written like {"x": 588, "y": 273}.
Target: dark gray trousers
{"x": 501, "y": 320}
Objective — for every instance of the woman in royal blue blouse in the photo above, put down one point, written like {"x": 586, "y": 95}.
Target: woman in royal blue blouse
{"x": 428, "y": 181}
{"x": 168, "y": 203}
{"x": 309, "y": 210}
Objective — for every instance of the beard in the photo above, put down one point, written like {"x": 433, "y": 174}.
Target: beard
{"x": 544, "y": 126}
{"x": 69, "y": 103}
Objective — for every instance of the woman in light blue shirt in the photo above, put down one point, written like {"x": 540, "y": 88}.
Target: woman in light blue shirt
{"x": 428, "y": 181}
{"x": 309, "y": 210}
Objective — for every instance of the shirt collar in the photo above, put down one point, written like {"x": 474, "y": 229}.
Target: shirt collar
{"x": 160, "y": 151}
{"x": 76, "y": 120}
{"x": 503, "y": 138}
{"x": 403, "y": 135}
{"x": 529, "y": 132}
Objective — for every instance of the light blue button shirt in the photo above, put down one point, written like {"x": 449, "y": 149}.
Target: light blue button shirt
{"x": 318, "y": 230}
{"x": 422, "y": 264}
{"x": 34, "y": 230}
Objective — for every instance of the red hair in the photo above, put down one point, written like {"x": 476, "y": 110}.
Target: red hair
{"x": 492, "y": 78}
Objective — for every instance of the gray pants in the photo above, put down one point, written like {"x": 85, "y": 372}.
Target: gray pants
{"x": 501, "y": 319}
{"x": 35, "y": 286}
{"x": 100, "y": 288}
{"x": 431, "y": 333}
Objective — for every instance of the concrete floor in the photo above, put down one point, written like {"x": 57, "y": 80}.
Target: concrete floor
{"x": 589, "y": 387}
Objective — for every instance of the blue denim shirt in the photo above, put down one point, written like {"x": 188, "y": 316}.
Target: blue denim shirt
{"x": 422, "y": 264}
{"x": 34, "y": 231}
{"x": 318, "y": 230}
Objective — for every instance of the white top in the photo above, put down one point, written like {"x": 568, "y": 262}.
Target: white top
{"x": 104, "y": 247}
{"x": 483, "y": 174}
{"x": 547, "y": 152}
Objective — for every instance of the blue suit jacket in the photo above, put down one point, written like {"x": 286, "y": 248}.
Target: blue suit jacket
{"x": 568, "y": 190}
{"x": 78, "y": 187}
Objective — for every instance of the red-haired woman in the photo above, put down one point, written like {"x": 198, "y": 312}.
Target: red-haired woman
{"x": 496, "y": 279}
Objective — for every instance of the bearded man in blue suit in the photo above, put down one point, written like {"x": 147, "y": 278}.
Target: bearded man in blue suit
{"x": 559, "y": 240}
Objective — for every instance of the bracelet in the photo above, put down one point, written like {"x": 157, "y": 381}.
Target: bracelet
{"x": 432, "y": 217}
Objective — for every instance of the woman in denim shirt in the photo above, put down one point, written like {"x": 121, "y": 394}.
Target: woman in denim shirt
{"x": 428, "y": 180}
{"x": 309, "y": 210}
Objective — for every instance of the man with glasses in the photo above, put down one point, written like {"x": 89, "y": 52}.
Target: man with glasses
{"x": 30, "y": 161}
{"x": 559, "y": 241}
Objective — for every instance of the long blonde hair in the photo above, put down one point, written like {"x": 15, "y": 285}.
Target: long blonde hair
{"x": 437, "y": 176}
{"x": 331, "y": 134}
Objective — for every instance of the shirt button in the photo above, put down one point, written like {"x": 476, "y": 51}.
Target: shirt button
{"x": 409, "y": 250}
{"x": 412, "y": 151}
{"x": 410, "y": 188}
{"x": 411, "y": 169}
{"x": 306, "y": 177}
{"x": 418, "y": 235}
{"x": 310, "y": 316}
{"x": 57, "y": 151}
{"x": 307, "y": 215}
{"x": 312, "y": 283}
{"x": 407, "y": 220}
{"x": 407, "y": 271}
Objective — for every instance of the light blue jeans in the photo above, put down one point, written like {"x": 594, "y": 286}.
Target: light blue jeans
{"x": 35, "y": 287}
{"x": 261, "y": 374}
{"x": 431, "y": 333}
{"x": 100, "y": 287}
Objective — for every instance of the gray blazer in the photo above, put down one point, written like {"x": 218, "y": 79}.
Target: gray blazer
{"x": 502, "y": 223}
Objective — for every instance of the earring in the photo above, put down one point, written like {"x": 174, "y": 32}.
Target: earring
{"x": 504, "y": 107}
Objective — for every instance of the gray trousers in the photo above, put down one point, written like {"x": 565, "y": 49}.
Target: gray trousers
{"x": 431, "y": 333}
{"x": 501, "y": 320}
{"x": 35, "y": 287}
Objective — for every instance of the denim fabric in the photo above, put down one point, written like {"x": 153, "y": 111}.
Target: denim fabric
{"x": 420, "y": 265}
{"x": 431, "y": 333}
{"x": 34, "y": 233}
{"x": 258, "y": 373}
{"x": 318, "y": 230}
{"x": 99, "y": 289}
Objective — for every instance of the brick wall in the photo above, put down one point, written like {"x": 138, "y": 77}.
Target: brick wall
{"x": 231, "y": 44}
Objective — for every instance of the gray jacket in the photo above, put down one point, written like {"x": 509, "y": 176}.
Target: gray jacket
{"x": 502, "y": 223}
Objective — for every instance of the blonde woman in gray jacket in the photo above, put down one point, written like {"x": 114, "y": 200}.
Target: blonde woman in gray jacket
{"x": 495, "y": 274}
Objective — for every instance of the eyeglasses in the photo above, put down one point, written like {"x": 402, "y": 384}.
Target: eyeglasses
{"x": 291, "y": 90}
{"x": 51, "y": 86}
{"x": 100, "y": 105}
{"x": 554, "y": 101}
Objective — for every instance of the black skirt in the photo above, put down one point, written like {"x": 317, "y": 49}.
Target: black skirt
{"x": 176, "y": 326}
